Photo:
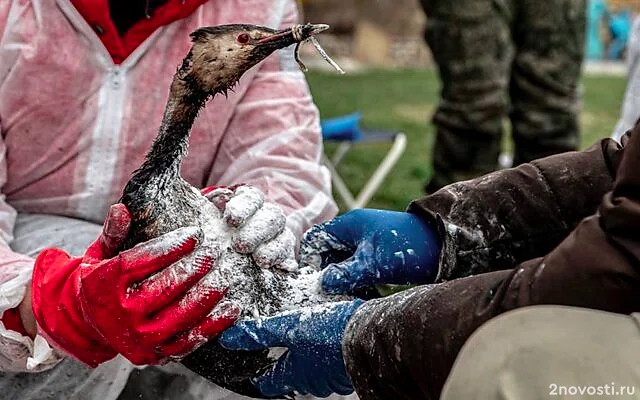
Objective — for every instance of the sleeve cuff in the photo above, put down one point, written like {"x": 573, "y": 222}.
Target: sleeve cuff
{"x": 448, "y": 257}
{"x": 18, "y": 352}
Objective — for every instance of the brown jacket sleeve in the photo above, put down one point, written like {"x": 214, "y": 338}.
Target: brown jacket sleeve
{"x": 403, "y": 347}
{"x": 499, "y": 220}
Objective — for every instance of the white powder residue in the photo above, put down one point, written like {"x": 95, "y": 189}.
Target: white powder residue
{"x": 168, "y": 242}
{"x": 400, "y": 255}
{"x": 180, "y": 271}
{"x": 304, "y": 290}
{"x": 257, "y": 291}
{"x": 259, "y": 228}
{"x": 398, "y": 350}
{"x": 318, "y": 241}
{"x": 277, "y": 252}
{"x": 244, "y": 203}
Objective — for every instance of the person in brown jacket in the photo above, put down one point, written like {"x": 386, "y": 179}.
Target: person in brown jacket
{"x": 561, "y": 234}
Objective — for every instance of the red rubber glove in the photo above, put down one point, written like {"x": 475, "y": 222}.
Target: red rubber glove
{"x": 144, "y": 303}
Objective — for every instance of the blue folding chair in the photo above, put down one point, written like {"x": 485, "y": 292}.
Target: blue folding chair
{"x": 346, "y": 131}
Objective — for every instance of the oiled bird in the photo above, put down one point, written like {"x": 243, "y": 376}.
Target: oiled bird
{"x": 160, "y": 200}
{"x": 157, "y": 196}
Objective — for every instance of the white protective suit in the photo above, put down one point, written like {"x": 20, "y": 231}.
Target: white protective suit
{"x": 631, "y": 106}
{"x": 75, "y": 125}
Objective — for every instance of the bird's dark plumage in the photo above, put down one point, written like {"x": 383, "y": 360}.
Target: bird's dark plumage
{"x": 160, "y": 200}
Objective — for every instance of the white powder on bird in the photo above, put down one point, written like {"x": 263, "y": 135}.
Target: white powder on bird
{"x": 259, "y": 292}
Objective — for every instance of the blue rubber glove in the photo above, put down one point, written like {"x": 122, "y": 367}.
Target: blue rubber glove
{"x": 366, "y": 247}
{"x": 312, "y": 363}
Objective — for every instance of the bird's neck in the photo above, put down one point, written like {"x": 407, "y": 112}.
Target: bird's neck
{"x": 170, "y": 146}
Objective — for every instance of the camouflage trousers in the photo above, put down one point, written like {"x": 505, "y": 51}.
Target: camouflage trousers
{"x": 519, "y": 59}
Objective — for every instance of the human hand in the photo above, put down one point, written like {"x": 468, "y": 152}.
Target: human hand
{"x": 366, "y": 247}
{"x": 312, "y": 363}
{"x": 261, "y": 227}
{"x": 146, "y": 302}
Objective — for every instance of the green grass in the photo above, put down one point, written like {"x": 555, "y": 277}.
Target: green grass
{"x": 405, "y": 101}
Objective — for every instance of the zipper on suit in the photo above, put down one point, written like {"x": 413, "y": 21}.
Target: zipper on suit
{"x": 105, "y": 138}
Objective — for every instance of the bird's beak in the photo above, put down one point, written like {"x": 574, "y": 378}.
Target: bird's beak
{"x": 295, "y": 34}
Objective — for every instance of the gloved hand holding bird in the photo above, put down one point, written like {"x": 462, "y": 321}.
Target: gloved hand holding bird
{"x": 175, "y": 264}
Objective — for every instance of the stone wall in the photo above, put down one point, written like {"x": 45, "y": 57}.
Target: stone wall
{"x": 342, "y": 15}
{"x": 632, "y": 5}
{"x": 382, "y": 33}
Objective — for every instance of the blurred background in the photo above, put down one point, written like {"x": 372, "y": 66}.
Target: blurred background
{"x": 391, "y": 80}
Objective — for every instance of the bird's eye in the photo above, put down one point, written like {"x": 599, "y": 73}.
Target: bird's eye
{"x": 243, "y": 38}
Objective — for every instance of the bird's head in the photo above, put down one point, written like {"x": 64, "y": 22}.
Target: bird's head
{"x": 222, "y": 54}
